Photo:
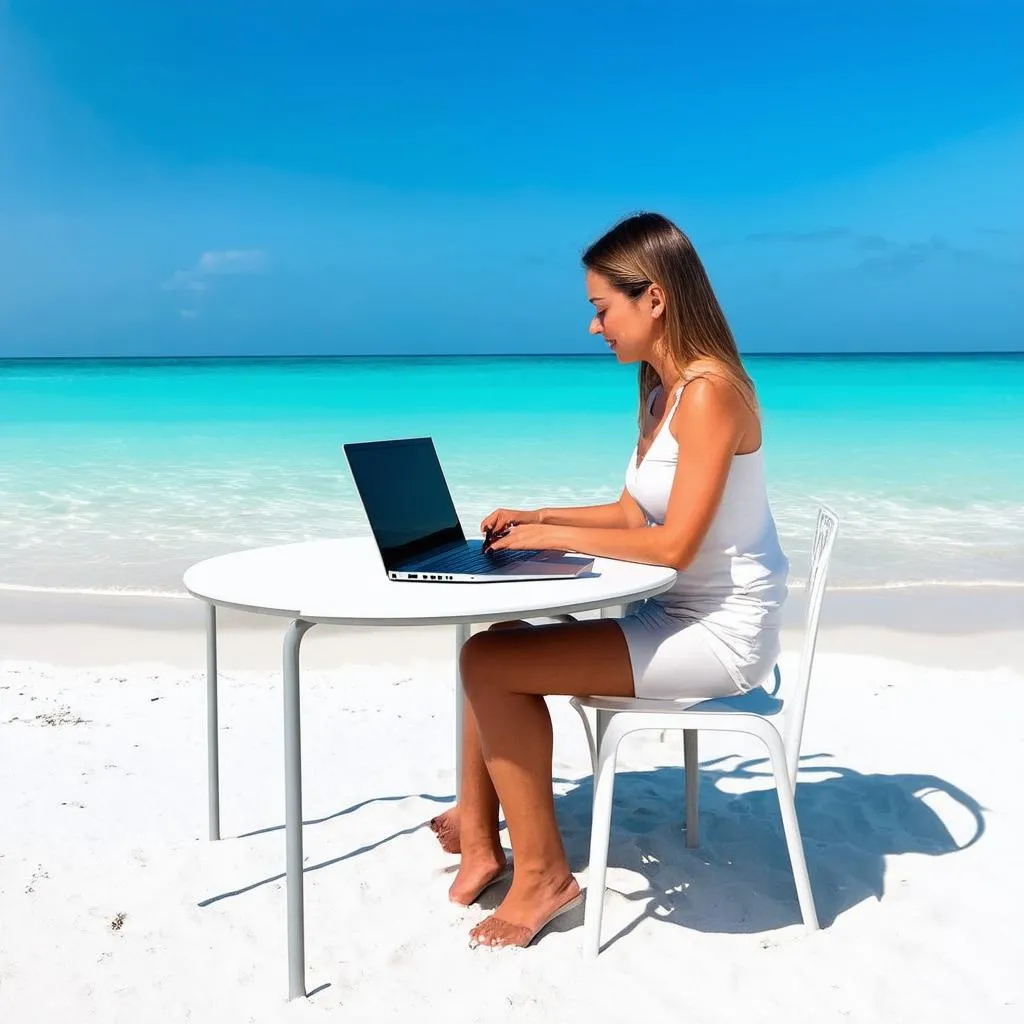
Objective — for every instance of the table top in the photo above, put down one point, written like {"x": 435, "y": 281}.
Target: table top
{"x": 344, "y": 582}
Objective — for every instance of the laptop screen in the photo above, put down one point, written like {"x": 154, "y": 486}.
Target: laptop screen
{"x": 405, "y": 496}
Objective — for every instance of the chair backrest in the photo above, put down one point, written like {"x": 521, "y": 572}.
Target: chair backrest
{"x": 796, "y": 701}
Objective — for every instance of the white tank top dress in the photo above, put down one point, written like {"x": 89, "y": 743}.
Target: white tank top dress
{"x": 715, "y": 633}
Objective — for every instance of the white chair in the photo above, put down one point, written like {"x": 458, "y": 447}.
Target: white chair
{"x": 755, "y": 713}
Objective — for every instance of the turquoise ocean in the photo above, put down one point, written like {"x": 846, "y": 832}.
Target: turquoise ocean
{"x": 116, "y": 475}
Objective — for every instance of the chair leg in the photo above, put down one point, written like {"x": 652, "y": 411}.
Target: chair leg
{"x": 794, "y": 841}
{"x": 591, "y": 742}
{"x": 602, "y": 719}
{"x": 600, "y": 836}
{"x": 691, "y": 785}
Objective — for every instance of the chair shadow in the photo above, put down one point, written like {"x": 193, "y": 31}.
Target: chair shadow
{"x": 738, "y": 880}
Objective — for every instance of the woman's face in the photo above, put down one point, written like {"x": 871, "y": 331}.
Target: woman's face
{"x": 629, "y": 325}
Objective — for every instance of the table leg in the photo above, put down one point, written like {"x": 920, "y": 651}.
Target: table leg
{"x": 293, "y": 810}
{"x": 462, "y": 630}
{"x": 212, "y": 737}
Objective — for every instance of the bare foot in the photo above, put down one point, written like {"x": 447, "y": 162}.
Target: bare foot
{"x": 524, "y": 912}
{"x": 476, "y": 874}
{"x": 446, "y": 828}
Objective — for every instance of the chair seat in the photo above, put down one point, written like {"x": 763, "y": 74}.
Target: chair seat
{"x": 755, "y": 702}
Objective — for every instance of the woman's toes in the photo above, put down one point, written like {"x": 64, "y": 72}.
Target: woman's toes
{"x": 493, "y": 931}
{"x": 442, "y": 822}
{"x": 518, "y": 920}
{"x": 446, "y": 828}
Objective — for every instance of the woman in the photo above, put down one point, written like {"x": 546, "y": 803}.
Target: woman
{"x": 694, "y": 499}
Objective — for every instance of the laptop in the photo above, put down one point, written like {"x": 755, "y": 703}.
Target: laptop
{"x": 413, "y": 519}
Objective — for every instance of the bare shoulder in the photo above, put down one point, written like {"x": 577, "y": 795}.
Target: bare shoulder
{"x": 712, "y": 404}
{"x": 712, "y": 395}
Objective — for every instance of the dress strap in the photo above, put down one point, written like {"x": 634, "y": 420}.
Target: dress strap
{"x": 654, "y": 397}
{"x": 675, "y": 404}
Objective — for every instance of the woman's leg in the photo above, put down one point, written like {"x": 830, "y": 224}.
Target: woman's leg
{"x": 471, "y": 828}
{"x": 475, "y": 784}
{"x": 506, "y": 675}
{"x": 474, "y": 772}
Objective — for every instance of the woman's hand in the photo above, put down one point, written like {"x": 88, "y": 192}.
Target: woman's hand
{"x": 531, "y": 537}
{"x": 502, "y": 517}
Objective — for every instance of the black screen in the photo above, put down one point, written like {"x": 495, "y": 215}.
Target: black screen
{"x": 405, "y": 497}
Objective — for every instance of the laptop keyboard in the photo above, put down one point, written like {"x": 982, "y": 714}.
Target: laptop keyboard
{"x": 473, "y": 560}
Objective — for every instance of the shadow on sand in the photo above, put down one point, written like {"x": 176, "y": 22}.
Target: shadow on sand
{"x": 739, "y": 878}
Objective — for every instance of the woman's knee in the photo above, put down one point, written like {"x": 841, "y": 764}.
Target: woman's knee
{"x": 479, "y": 650}
{"x": 479, "y": 655}
{"x": 470, "y": 659}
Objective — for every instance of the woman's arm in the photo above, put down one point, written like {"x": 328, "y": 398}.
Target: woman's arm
{"x": 709, "y": 426}
{"x": 617, "y": 515}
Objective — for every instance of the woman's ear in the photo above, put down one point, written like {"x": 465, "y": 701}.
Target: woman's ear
{"x": 657, "y": 299}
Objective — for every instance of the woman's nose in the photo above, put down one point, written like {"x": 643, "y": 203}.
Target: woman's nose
{"x": 595, "y": 326}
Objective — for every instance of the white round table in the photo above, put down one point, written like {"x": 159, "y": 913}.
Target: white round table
{"x": 343, "y": 582}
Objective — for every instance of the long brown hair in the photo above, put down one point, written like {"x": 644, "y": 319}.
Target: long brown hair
{"x": 647, "y": 249}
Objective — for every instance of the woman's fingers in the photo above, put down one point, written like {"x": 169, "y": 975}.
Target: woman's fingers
{"x": 497, "y": 520}
{"x": 502, "y": 538}
{"x": 502, "y": 518}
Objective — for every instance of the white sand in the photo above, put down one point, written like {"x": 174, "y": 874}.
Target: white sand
{"x": 103, "y": 823}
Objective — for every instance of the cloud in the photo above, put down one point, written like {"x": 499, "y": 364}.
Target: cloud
{"x": 873, "y": 243}
{"x": 233, "y": 261}
{"x": 217, "y": 263}
{"x": 911, "y": 255}
{"x": 886, "y": 254}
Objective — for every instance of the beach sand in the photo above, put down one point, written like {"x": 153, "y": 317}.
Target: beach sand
{"x": 115, "y": 907}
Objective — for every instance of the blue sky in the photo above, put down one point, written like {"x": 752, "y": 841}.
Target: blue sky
{"x": 329, "y": 177}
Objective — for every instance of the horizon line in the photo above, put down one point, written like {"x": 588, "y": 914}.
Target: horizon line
{"x": 903, "y": 354}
